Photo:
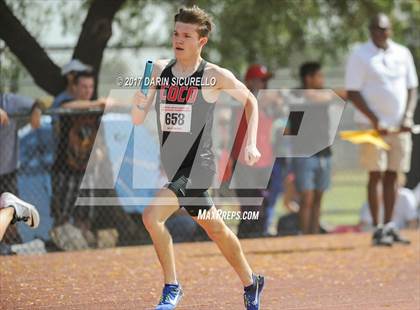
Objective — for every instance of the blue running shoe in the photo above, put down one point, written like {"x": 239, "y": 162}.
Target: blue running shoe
{"x": 171, "y": 296}
{"x": 252, "y": 293}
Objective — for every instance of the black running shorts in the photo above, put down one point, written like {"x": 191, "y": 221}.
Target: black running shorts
{"x": 191, "y": 188}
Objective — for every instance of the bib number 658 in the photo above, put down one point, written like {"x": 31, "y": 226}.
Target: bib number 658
{"x": 174, "y": 118}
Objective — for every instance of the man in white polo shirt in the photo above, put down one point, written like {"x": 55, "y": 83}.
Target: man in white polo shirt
{"x": 381, "y": 81}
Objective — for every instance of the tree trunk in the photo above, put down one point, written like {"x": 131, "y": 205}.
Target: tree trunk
{"x": 45, "y": 73}
{"x": 96, "y": 31}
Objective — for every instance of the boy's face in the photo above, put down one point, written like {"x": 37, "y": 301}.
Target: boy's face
{"x": 83, "y": 89}
{"x": 315, "y": 81}
{"x": 186, "y": 41}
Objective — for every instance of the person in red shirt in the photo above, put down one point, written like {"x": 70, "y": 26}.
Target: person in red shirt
{"x": 256, "y": 79}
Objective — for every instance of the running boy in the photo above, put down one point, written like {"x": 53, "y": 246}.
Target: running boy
{"x": 186, "y": 90}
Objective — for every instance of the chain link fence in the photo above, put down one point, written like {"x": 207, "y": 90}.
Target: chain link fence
{"x": 73, "y": 149}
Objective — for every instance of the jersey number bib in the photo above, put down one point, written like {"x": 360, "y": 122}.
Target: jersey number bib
{"x": 175, "y": 117}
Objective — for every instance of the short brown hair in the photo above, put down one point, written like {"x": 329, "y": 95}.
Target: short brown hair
{"x": 195, "y": 15}
{"x": 83, "y": 74}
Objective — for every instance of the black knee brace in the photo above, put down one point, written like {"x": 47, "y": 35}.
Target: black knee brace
{"x": 179, "y": 186}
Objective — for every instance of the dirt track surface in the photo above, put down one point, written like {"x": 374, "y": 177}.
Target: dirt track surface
{"x": 316, "y": 272}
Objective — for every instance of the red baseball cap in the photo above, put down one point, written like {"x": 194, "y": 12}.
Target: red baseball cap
{"x": 257, "y": 71}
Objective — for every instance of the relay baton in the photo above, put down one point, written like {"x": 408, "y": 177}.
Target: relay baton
{"x": 146, "y": 80}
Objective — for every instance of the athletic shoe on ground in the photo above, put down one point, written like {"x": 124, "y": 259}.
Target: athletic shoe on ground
{"x": 24, "y": 212}
{"x": 6, "y": 249}
{"x": 394, "y": 234}
{"x": 171, "y": 296}
{"x": 380, "y": 238}
{"x": 253, "y": 292}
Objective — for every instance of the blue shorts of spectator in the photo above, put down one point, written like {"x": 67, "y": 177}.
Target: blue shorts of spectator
{"x": 313, "y": 173}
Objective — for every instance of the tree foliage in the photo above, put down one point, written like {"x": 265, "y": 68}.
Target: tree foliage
{"x": 277, "y": 33}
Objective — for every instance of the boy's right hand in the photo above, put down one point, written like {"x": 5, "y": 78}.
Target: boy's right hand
{"x": 377, "y": 126}
{"x": 4, "y": 118}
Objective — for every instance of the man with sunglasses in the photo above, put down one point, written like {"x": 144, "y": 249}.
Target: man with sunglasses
{"x": 381, "y": 81}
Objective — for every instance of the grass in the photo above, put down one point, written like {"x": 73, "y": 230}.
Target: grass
{"x": 343, "y": 201}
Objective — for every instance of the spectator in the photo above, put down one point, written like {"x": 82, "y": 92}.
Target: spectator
{"x": 381, "y": 81}
{"x": 256, "y": 79}
{"x": 77, "y": 134}
{"x": 278, "y": 182}
{"x": 13, "y": 104}
{"x": 312, "y": 174}
{"x": 69, "y": 71}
